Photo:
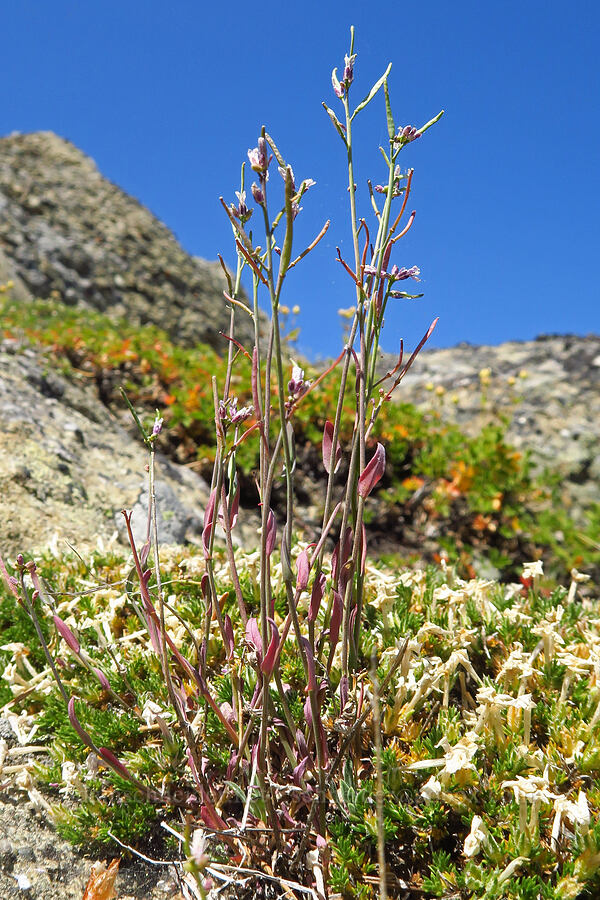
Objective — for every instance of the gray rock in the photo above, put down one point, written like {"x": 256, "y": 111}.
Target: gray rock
{"x": 548, "y": 391}
{"x": 175, "y": 519}
{"x": 68, "y": 233}
{"x": 67, "y": 466}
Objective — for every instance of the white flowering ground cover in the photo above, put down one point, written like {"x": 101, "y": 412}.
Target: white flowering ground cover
{"x": 489, "y": 725}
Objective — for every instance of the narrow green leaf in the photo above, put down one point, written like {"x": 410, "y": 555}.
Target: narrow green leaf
{"x": 336, "y": 122}
{"x": 388, "y": 110}
{"x": 277, "y": 154}
{"x": 143, "y": 432}
{"x": 373, "y": 91}
{"x": 286, "y": 250}
{"x": 431, "y": 122}
{"x": 385, "y": 156}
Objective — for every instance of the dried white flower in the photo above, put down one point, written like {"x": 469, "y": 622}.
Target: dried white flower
{"x": 576, "y": 812}
{"x": 534, "y": 790}
{"x": 533, "y": 569}
{"x": 476, "y": 838}
{"x": 432, "y": 789}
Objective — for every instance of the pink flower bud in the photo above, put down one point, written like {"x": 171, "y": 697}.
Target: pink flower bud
{"x": 328, "y": 449}
{"x": 338, "y": 89}
{"x": 372, "y": 472}
{"x": 259, "y": 158}
{"x": 67, "y": 635}
{"x": 303, "y": 569}
{"x": 349, "y": 69}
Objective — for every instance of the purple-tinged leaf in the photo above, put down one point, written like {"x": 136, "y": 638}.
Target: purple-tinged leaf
{"x": 101, "y": 678}
{"x": 268, "y": 663}
{"x": 209, "y": 515}
{"x": 192, "y": 765}
{"x": 232, "y": 511}
{"x": 324, "y": 748}
{"x": 257, "y": 695}
{"x": 308, "y": 713}
{"x": 271, "y": 536}
{"x": 78, "y": 728}
{"x": 300, "y": 769}
{"x": 301, "y": 743}
{"x": 109, "y": 757}
{"x": 346, "y": 557}
{"x": 154, "y": 634}
{"x": 67, "y": 635}
{"x": 288, "y": 818}
{"x": 145, "y": 592}
{"x": 144, "y": 553}
{"x": 372, "y": 472}
{"x": 328, "y": 447}
{"x": 211, "y": 817}
{"x": 227, "y": 712}
{"x": 253, "y": 635}
{"x": 318, "y": 589}
{"x": 303, "y": 570}
{"x": 340, "y": 570}
{"x": 343, "y": 692}
{"x": 231, "y": 765}
{"x": 11, "y": 582}
{"x": 205, "y": 587}
{"x": 228, "y": 632}
{"x": 310, "y": 662}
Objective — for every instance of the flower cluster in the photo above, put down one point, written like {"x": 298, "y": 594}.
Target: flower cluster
{"x": 341, "y": 88}
{"x": 229, "y": 412}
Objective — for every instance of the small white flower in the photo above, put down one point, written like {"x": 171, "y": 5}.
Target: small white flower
{"x": 576, "y": 812}
{"x": 458, "y": 758}
{"x": 533, "y": 569}
{"x": 197, "y": 848}
{"x": 432, "y": 789}
{"x": 150, "y": 712}
{"x": 476, "y": 837}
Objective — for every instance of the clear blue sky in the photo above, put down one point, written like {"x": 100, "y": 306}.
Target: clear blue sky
{"x": 168, "y": 97}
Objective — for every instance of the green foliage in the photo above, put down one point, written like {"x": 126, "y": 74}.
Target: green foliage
{"x": 91, "y": 824}
{"x": 480, "y": 489}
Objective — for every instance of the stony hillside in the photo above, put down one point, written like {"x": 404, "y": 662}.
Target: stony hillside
{"x": 69, "y": 233}
{"x": 548, "y": 390}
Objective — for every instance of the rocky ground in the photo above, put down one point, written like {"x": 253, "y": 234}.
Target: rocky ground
{"x": 69, "y": 233}
{"x": 67, "y": 466}
{"x": 548, "y": 390}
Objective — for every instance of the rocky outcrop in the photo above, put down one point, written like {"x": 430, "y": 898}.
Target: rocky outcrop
{"x": 67, "y": 467}
{"x": 68, "y": 233}
{"x": 547, "y": 390}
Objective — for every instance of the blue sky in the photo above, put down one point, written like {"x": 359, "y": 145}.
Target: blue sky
{"x": 167, "y": 98}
